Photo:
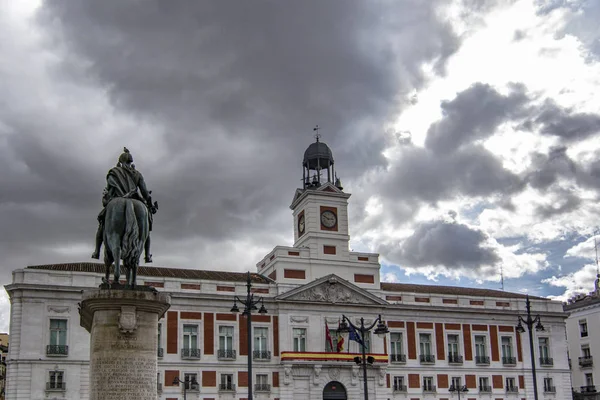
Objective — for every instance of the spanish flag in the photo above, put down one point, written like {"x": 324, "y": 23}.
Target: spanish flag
{"x": 328, "y": 337}
{"x": 340, "y": 343}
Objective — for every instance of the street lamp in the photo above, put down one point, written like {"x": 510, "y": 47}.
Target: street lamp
{"x": 538, "y": 327}
{"x": 249, "y": 305}
{"x": 177, "y": 381}
{"x": 458, "y": 390}
{"x": 381, "y": 331}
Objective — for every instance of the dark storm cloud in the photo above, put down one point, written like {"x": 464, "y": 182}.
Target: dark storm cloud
{"x": 473, "y": 114}
{"x": 216, "y": 100}
{"x": 566, "y": 124}
{"x": 566, "y": 203}
{"x": 547, "y": 168}
{"x": 441, "y": 243}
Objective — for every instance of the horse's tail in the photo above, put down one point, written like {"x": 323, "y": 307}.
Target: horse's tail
{"x": 130, "y": 246}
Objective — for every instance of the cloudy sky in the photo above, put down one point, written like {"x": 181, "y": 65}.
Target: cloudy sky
{"x": 466, "y": 131}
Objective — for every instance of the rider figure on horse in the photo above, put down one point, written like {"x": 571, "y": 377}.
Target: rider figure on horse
{"x": 124, "y": 181}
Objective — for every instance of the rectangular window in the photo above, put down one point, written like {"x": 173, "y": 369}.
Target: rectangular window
{"x": 548, "y": 385}
{"x": 507, "y": 351}
{"x": 299, "y": 339}
{"x": 425, "y": 344}
{"x": 191, "y": 381}
{"x": 456, "y": 382}
{"x": 262, "y": 383}
{"x": 583, "y": 330}
{"x": 510, "y": 385}
{"x": 226, "y": 382}
{"x": 484, "y": 384}
{"x": 544, "y": 347}
{"x": 367, "y": 341}
{"x": 159, "y": 349}
{"x": 226, "y": 338}
{"x": 397, "y": 347}
{"x": 334, "y": 340}
{"x": 428, "y": 384}
{"x": 481, "y": 355}
{"x": 261, "y": 340}
{"x": 589, "y": 379}
{"x": 399, "y": 384}
{"x": 56, "y": 380}
{"x": 58, "y": 332}
{"x": 452, "y": 345}
{"x": 159, "y": 334}
{"x": 585, "y": 351}
{"x": 190, "y": 337}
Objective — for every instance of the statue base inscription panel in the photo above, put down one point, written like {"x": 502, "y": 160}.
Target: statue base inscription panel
{"x": 123, "y": 343}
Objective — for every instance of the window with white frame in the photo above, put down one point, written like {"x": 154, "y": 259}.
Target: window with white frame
{"x": 456, "y": 382}
{"x": 583, "y": 328}
{"x": 428, "y": 385}
{"x": 261, "y": 339}
{"x": 510, "y": 385}
{"x": 190, "y": 380}
{"x": 589, "y": 379}
{"x": 159, "y": 341}
{"x": 549, "y": 385}
{"x": 585, "y": 351}
{"x": 299, "y": 339}
{"x": 334, "y": 341}
{"x": 425, "y": 344}
{"x": 226, "y": 382}
{"x": 453, "y": 349}
{"x": 484, "y": 384}
{"x": 544, "y": 351}
{"x": 399, "y": 385}
{"x": 58, "y": 337}
{"x": 56, "y": 380}
{"x": 367, "y": 341}
{"x": 481, "y": 354}
{"x": 190, "y": 341}
{"x": 507, "y": 350}
{"x": 262, "y": 383}
{"x": 397, "y": 347}
{"x": 226, "y": 342}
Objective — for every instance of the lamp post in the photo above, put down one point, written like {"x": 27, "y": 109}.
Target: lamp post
{"x": 458, "y": 390}
{"x": 529, "y": 321}
{"x": 381, "y": 331}
{"x": 177, "y": 381}
{"x": 249, "y": 305}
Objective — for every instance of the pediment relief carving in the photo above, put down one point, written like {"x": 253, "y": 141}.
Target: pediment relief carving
{"x": 331, "y": 293}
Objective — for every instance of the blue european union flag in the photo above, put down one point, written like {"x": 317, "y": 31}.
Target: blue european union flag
{"x": 354, "y": 335}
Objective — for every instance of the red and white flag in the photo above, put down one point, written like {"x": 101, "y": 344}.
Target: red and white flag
{"x": 328, "y": 337}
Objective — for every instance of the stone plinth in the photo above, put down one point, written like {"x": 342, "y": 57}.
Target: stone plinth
{"x": 124, "y": 339}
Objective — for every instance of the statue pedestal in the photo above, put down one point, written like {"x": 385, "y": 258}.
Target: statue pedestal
{"x": 124, "y": 342}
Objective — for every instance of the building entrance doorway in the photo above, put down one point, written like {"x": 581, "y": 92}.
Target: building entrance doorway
{"x": 334, "y": 391}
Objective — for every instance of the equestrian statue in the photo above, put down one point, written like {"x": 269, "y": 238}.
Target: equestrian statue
{"x": 125, "y": 221}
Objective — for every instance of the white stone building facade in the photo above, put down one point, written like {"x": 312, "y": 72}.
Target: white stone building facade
{"x": 438, "y": 335}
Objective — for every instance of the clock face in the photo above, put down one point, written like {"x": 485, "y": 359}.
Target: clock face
{"x": 328, "y": 219}
{"x": 301, "y": 225}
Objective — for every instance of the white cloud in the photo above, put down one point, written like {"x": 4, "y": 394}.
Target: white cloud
{"x": 578, "y": 282}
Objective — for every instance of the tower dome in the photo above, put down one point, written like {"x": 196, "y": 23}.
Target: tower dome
{"x": 317, "y": 157}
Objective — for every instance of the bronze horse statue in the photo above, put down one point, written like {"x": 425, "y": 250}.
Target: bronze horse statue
{"x": 126, "y": 230}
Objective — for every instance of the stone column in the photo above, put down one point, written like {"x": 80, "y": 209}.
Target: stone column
{"x": 123, "y": 343}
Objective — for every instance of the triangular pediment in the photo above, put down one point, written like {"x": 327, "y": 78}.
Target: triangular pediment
{"x": 334, "y": 290}
{"x": 326, "y": 189}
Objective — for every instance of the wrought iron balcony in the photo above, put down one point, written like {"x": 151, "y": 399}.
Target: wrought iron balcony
{"x": 57, "y": 350}
{"x": 485, "y": 389}
{"x": 262, "y": 387}
{"x": 398, "y": 358}
{"x": 512, "y": 389}
{"x": 509, "y": 360}
{"x": 190, "y": 353}
{"x": 226, "y": 354}
{"x": 429, "y": 388}
{"x": 399, "y": 388}
{"x": 160, "y": 352}
{"x": 546, "y": 361}
{"x": 454, "y": 359}
{"x": 427, "y": 358}
{"x": 227, "y": 387}
{"x": 586, "y": 361}
{"x": 261, "y": 355}
{"x": 56, "y": 386}
{"x": 549, "y": 389}
{"x": 588, "y": 389}
{"x": 192, "y": 387}
{"x": 482, "y": 360}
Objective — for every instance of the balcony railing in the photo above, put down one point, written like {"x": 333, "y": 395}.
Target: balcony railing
{"x": 399, "y": 388}
{"x": 56, "y": 386}
{"x": 427, "y": 358}
{"x": 191, "y": 387}
{"x": 261, "y": 355}
{"x": 509, "y": 360}
{"x": 549, "y": 389}
{"x": 160, "y": 352}
{"x": 398, "y": 358}
{"x": 588, "y": 389}
{"x": 455, "y": 359}
{"x": 262, "y": 387}
{"x": 429, "y": 388}
{"x": 587, "y": 361}
{"x": 485, "y": 389}
{"x": 57, "y": 350}
{"x": 482, "y": 360}
{"x": 190, "y": 353}
{"x": 227, "y": 387}
{"x": 226, "y": 354}
{"x": 512, "y": 389}
{"x": 546, "y": 361}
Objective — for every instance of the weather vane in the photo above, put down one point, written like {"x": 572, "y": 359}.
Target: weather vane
{"x": 317, "y": 135}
